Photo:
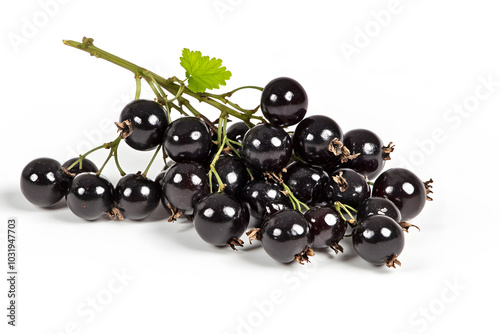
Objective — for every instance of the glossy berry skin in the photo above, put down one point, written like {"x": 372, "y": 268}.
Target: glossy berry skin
{"x": 266, "y": 148}
{"x": 137, "y": 196}
{"x": 306, "y": 182}
{"x": 312, "y": 138}
{"x": 403, "y": 188}
{"x": 284, "y": 102}
{"x": 90, "y": 195}
{"x": 377, "y": 239}
{"x": 184, "y": 185}
{"x": 188, "y": 139}
{"x": 355, "y": 190}
{"x": 236, "y": 131}
{"x": 327, "y": 226}
{"x": 220, "y": 217}
{"x": 378, "y": 206}
{"x": 87, "y": 166}
{"x": 149, "y": 122}
{"x": 233, "y": 174}
{"x": 370, "y": 160}
{"x": 259, "y": 194}
{"x": 285, "y": 235}
{"x": 43, "y": 182}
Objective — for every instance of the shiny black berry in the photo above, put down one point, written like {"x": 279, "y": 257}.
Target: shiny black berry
{"x": 220, "y": 219}
{"x": 86, "y": 166}
{"x": 327, "y": 227}
{"x": 285, "y": 236}
{"x": 259, "y": 194}
{"x": 378, "y": 206}
{"x": 306, "y": 182}
{"x": 184, "y": 184}
{"x": 372, "y": 153}
{"x": 43, "y": 182}
{"x": 236, "y": 131}
{"x": 188, "y": 139}
{"x": 266, "y": 148}
{"x": 148, "y": 121}
{"x": 137, "y": 196}
{"x": 379, "y": 240}
{"x": 284, "y": 102}
{"x": 233, "y": 174}
{"x": 347, "y": 187}
{"x": 403, "y": 188}
{"x": 312, "y": 139}
{"x": 90, "y": 196}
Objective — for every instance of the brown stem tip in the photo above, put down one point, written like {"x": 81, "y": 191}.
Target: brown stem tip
{"x": 335, "y": 146}
{"x": 235, "y": 242}
{"x": 67, "y": 173}
{"x": 176, "y": 213}
{"x": 303, "y": 256}
{"x": 254, "y": 234}
{"x": 125, "y": 128}
{"x": 391, "y": 262}
{"x": 338, "y": 149}
{"x": 387, "y": 150}
{"x": 115, "y": 214}
{"x": 341, "y": 182}
{"x": 428, "y": 186}
{"x": 336, "y": 247}
{"x": 406, "y": 226}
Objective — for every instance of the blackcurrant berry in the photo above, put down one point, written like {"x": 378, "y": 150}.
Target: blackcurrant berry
{"x": 87, "y": 166}
{"x": 257, "y": 195}
{"x": 266, "y": 148}
{"x": 327, "y": 227}
{"x": 379, "y": 240}
{"x": 137, "y": 196}
{"x": 403, "y": 188}
{"x": 188, "y": 139}
{"x": 185, "y": 184}
{"x": 233, "y": 174}
{"x": 347, "y": 187}
{"x": 378, "y": 206}
{"x": 236, "y": 131}
{"x": 285, "y": 236}
{"x": 220, "y": 219}
{"x": 306, "y": 182}
{"x": 312, "y": 139}
{"x": 43, "y": 182}
{"x": 90, "y": 195}
{"x": 369, "y": 146}
{"x": 148, "y": 121}
{"x": 284, "y": 102}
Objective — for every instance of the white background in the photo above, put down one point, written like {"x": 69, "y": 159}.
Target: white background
{"x": 400, "y": 68}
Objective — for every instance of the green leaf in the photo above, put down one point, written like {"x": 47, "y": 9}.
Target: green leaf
{"x": 203, "y": 72}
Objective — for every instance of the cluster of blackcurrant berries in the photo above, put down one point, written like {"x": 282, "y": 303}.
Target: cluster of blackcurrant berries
{"x": 294, "y": 191}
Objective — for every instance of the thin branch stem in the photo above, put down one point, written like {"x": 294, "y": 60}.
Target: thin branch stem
{"x": 145, "y": 173}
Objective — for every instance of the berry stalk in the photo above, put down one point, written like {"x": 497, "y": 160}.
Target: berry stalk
{"x": 172, "y": 85}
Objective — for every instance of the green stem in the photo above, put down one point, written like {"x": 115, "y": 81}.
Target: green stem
{"x": 145, "y": 173}
{"x": 297, "y": 204}
{"x": 137, "y": 87}
{"x": 115, "y": 153}
{"x": 80, "y": 159}
{"x": 170, "y": 85}
{"x": 212, "y": 167}
{"x": 346, "y": 208}
{"x": 113, "y": 146}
